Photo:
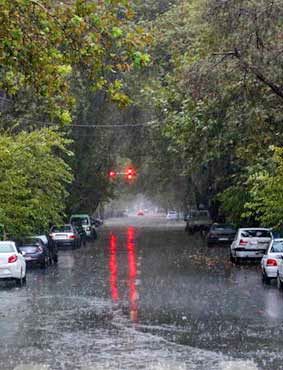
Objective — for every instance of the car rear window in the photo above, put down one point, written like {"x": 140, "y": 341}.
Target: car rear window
{"x": 6, "y": 248}
{"x": 277, "y": 247}
{"x": 256, "y": 234}
{"x": 61, "y": 229}
{"x": 29, "y": 242}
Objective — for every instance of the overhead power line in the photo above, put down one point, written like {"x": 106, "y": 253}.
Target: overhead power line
{"x": 145, "y": 124}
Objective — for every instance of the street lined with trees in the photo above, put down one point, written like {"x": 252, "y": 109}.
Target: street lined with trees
{"x": 207, "y": 76}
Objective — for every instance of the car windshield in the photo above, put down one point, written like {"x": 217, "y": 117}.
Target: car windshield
{"x": 80, "y": 220}
{"x": 6, "y": 248}
{"x": 256, "y": 234}
{"x": 277, "y": 247}
{"x": 61, "y": 229}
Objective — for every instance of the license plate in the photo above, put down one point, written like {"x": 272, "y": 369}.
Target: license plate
{"x": 59, "y": 237}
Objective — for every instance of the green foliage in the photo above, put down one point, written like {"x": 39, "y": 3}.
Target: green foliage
{"x": 266, "y": 192}
{"x": 45, "y": 45}
{"x": 33, "y": 178}
{"x": 217, "y": 88}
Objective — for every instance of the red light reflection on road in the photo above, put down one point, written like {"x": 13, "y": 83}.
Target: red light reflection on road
{"x": 132, "y": 274}
{"x": 113, "y": 268}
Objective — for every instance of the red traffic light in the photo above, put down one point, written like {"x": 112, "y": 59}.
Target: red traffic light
{"x": 130, "y": 173}
{"x": 112, "y": 174}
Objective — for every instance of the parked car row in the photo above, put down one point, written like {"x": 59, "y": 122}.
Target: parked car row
{"x": 42, "y": 250}
{"x": 253, "y": 244}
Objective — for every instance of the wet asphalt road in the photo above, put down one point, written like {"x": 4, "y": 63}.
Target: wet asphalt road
{"x": 145, "y": 295}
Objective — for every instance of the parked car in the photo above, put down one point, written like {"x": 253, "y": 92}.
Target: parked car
{"x": 140, "y": 213}
{"x": 86, "y": 222}
{"x": 198, "y": 220}
{"x": 65, "y": 235}
{"x": 221, "y": 234}
{"x": 12, "y": 263}
{"x": 250, "y": 243}
{"x": 172, "y": 215}
{"x": 97, "y": 222}
{"x": 35, "y": 251}
{"x": 271, "y": 259}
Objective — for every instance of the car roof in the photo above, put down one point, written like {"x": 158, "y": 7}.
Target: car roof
{"x": 7, "y": 241}
{"x": 254, "y": 228}
{"x": 80, "y": 215}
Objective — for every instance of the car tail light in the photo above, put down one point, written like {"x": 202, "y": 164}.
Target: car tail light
{"x": 72, "y": 236}
{"x": 243, "y": 242}
{"x": 12, "y": 259}
{"x": 271, "y": 262}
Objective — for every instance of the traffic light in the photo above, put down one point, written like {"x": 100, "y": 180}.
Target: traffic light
{"x": 112, "y": 175}
{"x": 130, "y": 174}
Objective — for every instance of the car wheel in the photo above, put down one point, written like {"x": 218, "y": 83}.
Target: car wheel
{"x": 265, "y": 278}
{"x": 279, "y": 283}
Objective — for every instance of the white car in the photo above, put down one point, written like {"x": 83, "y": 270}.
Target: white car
{"x": 271, "y": 260}
{"x": 172, "y": 215}
{"x": 12, "y": 263}
{"x": 250, "y": 243}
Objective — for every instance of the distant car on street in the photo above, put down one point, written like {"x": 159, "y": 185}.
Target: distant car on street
{"x": 140, "y": 213}
{"x": 65, "y": 235}
{"x": 12, "y": 263}
{"x": 86, "y": 222}
{"x": 172, "y": 215}
{"x": 96, "y": 221}
{"x": 250, "y": 243}
{"x": 198, "y": 220}
{"x": 271, "y": 259}
{"x": 220, "y": 234}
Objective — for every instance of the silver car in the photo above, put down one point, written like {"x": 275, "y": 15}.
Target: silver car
{"x": 65, "y": 235}
{"x": 250, "y": 243}
{"x": 271, "y": 260}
